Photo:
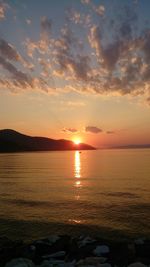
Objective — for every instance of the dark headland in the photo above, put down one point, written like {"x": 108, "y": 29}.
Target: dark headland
{"x": 12, "y": 141}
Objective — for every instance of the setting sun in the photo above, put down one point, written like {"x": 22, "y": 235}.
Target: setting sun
{"x": 77, "y": 141}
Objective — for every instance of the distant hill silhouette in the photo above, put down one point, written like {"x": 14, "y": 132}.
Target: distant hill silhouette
{"x": 12, "y": 141}
{"x": 132, "y": 146}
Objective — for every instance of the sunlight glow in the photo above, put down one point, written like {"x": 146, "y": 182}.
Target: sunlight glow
{"x": 77, "y": 141}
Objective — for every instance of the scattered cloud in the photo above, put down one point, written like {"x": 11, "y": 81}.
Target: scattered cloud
{"x": 46, "y": 25}
{"x": 79, "y": 18}
{"x": 86, "y": 60}
{"x": 3, "y": 7}
{"x": 93, "y": 129}
{"x": 110, "y": 132}
{"x": 70, "y": 130}
{"x": 18, "y": 77}
{"x": 86, "y": 2}
{"x": 99, "y": 10}
{"x": 28, "y": 21}
{"x": 8, "y": 51}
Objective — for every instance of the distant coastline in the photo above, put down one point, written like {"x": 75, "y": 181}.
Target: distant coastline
{"x": 136, "y": 146}
{"x": 13, "y": 141}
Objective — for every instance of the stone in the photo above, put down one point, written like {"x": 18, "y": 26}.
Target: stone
{"x": 53, "y": 238}
{"x": 59, "y": 263}
{"x": 105, "y": 265}
{"x": 20, "y": 262}
{"x": 55, "y": 255}
{"x": 99, "y": 250}
{"x": 139, "y": 241}
{"x": 137, "y": 264}
{"x": 91, "y": 260}
{"x": 84, "y": 241}
{"x": 143, "y": 250}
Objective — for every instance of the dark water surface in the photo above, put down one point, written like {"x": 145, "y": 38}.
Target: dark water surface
{"x": 97, "y": 192}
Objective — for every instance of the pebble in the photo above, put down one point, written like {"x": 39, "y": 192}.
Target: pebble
{"x": 99, "y": 250}
{"x": 85, "y": 241}
{"x": 139, "y": 241}
{"x": 55, "y": 255}
{"x": 137, "y": 264}
{"x": 20, "y": 262}
{"x": 66, "y": 251}
{"x": 53, "y": 238}
{"x": 91, "y": 260}
{"x": 58, "y": 263}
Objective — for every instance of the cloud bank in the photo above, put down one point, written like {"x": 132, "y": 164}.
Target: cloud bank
{"x": 87, "y": 61}
{"x": 93, "y": 129}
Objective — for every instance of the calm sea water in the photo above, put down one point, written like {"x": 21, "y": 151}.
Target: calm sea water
{"x": 103, "y": 191}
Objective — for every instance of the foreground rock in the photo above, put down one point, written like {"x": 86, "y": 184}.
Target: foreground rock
{"x": 69, "y": 252}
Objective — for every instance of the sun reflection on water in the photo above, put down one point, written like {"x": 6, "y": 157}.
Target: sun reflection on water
{"x": 77, "y": 174}
{"x": 78, "y": 186}
{"x": 77, "y": 171}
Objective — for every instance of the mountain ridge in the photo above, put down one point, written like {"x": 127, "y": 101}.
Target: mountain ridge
{"x": 13, "y": 141}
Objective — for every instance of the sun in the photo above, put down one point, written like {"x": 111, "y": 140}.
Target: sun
{"x": 77, "y": 141}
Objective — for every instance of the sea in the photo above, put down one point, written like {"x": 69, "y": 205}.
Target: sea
{"x": 97, "y": 192}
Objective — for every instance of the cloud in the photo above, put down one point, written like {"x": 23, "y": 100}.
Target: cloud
{"x": 8, "y": 51}
{"x": 28, "y": 21}
{"x": 93, "y": 129}
{"x": 70, "y": 130}
{"x": 86, "y": 2}
{"x": 19, "y": 78}
{"x": 110, "y": 132}
{"x": 43, "y": 44}
{"x": 79, "y": 18}
{"x": 3, "y": 8}
{"x": 46, "y": 67}
{"x": 76, "y": 67}
{"x": 99, "y": 10}
{"x": 46, "y": 25}
{"x": 94, "y": 59}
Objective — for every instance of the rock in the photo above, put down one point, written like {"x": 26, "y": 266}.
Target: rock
{"x": 59, "y": 263}
{"x": 61, "y": 244}
{"x": 91, "y": 260}
{"x": 58, "y": 254}
{"x": 85, "y": 241}
{"x": 41, "y": 247}
{"x": 20, "y": 262}
{"x": 131, "y": 254}
{"x": 44, "y": 263}
{"x": 143, "y": 250}
{"x": 53, "y": 238}
{"x": 32, "y": 248}
{"x": 5, "y": 242}
{"x": 104, "y": 265}
{"x": 139, "y": 241}
{"x": 99, "y": 250}
{"x": 82, "y": 252}
{"x": 137, "y": 264}
{"x": 119, "y": 254}
{"x": 47, "y": 263}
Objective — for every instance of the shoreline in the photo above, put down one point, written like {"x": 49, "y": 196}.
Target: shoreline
{"x": 32, "y": 230}
{"x": 70, "y": 251}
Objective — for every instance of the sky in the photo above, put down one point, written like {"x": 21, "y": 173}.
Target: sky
{"x": 76, "y": 69}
